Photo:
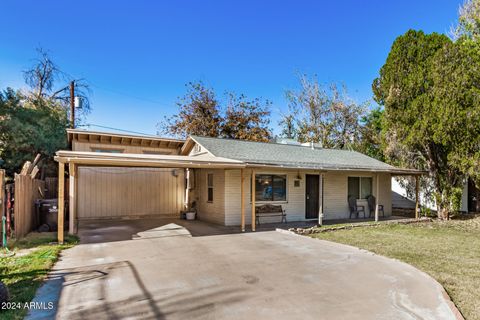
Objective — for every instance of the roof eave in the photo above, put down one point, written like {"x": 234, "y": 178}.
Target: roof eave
{"x": 393, "y": 171}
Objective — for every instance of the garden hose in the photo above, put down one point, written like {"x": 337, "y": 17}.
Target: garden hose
{"x": 4, "y": 232}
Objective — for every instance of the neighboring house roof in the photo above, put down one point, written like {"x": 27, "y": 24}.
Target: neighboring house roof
{"x": 294, "y": 156}
{"x": 401, "y": 202}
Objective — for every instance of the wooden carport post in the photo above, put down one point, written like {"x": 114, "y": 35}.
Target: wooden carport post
{"x": 72, "y": 198}
{"x": 417, "y": 192}
{"x": 253, "y": 199}
{"x": 61, "y": 201}
{"x": 242, "y": 200}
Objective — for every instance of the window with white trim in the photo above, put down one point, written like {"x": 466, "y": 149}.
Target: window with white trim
{"x": 210, "y": 187}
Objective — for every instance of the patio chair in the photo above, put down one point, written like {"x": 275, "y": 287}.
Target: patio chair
{"x": 354, "y": 208}
{"x": 371, "y": 206}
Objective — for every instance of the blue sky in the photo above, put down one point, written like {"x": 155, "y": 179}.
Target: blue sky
{"x": 138, "y": 55}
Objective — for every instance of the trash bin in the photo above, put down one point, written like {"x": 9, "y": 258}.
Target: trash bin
{"x": 47, "y": 214}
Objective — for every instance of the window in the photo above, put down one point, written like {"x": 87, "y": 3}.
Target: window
{"x": 270, "y": 187}
{"x": 210, "y": 187}
{"x": 155, "y": 152}
{"x": 359, "y": 187}
{"x": 107, "y": 150}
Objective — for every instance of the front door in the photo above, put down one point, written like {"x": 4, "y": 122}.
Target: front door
{"x": 312, "y": 190}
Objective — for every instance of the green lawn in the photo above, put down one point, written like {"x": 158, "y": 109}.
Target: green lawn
{"x": 24, "y": 272}
{"x": 449, "y": 251}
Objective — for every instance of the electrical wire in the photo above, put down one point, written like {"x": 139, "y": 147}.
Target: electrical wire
{"x": 126, "y": 94}
{"x": 112, "y": 128}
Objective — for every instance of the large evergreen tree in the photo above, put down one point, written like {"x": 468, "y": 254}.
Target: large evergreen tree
{"x": 429, "y": 88}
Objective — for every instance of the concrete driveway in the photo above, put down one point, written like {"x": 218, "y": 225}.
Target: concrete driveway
{"x": 166, "y": 273}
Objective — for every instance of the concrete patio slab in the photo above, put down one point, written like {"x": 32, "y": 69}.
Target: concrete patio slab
{"x": 167, "y": 273}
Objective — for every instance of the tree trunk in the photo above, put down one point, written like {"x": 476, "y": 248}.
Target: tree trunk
{"x": 443, "y": 213}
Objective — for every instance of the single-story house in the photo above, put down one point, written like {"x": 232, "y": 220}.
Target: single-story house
{"x": 120, "y": 176}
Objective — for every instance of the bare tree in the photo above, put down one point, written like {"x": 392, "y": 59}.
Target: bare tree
{"x": 47, "y": 82}
{"x": 324, "y": 114}
{"x": 468, "y": 21}
{"x": 287, "y": 123}
{"x": 41, "y": 76}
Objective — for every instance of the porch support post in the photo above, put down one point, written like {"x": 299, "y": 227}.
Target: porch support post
{"x": 187, "y": 190}
{"x": 377, "y": 178}
{"x": 242, "y": 199}
{"x": 417, "y": 195}
{"x": 61, "y": 200}
{"x": 320, "y": 199}
{"x": 72, "y": 199}
{"x": 253, "y": 199}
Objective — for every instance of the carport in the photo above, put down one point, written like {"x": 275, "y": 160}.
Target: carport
{"x": 125, "y": 184}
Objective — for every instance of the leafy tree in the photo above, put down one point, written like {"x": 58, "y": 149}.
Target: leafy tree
{"x": 246, "y": 119}
{"x": 199, "y": 114}
{"x": 431, "y": 109}
{"x": 202, "y": 114}
{"x": 27, "y": 128}
{"x": 371, "y": 134}
{"x": 325, "y": 115}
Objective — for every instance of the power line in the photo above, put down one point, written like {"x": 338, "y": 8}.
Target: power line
{"x": 112, "y": 128}
{"x": 126, "y": 94}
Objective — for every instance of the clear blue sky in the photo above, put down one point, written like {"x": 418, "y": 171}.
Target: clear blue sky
{"x": 139, "y": 54}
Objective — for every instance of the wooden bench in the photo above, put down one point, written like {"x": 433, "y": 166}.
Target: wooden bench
{"x": 270, "y": 210}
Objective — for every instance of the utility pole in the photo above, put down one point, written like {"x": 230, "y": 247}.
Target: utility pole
{"x": 72, "y": 105}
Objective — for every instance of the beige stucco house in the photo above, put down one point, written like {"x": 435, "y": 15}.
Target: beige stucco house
{"x": 133, "y": 176}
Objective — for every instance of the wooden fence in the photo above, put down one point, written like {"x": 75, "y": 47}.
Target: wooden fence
{"x": 51, "y": 186}
{"x": 27, "y": 190}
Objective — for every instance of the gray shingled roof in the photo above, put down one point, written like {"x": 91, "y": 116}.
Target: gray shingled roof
{"x": 292, "y": 155}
